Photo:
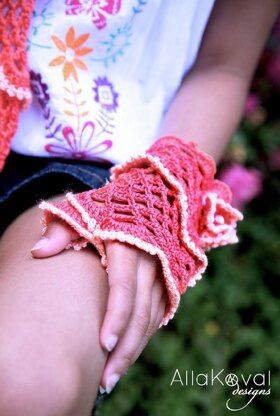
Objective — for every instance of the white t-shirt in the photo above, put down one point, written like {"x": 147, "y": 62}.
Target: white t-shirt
{"x": 103, "y": 72}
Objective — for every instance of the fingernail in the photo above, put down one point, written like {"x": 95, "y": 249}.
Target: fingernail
{"x": 40, "y": 244}
{"x": 101, "y": 390}
{"x": 111, "y": 382}
{"x": 111, "y": 342}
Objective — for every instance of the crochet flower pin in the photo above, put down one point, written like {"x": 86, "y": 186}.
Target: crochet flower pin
{"x": 71, "y": 50}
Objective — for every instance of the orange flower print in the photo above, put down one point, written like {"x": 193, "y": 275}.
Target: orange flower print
{"x": 71, "y": 51}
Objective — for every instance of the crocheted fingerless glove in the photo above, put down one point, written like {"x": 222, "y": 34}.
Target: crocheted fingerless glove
{"x": 166, "y": 203}
{"x": 15, "y": 91}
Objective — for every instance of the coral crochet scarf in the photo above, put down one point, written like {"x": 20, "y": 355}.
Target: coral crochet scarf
{"x": 15, "y": 91}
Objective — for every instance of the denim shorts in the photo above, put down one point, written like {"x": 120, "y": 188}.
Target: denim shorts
{"x": 26, "y": 180}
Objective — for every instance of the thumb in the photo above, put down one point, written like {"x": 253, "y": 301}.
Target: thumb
{"x": 57, "y": 236}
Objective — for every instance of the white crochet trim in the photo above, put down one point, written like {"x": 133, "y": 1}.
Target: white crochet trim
{"x": 13, "y": 91}
{"x": 51, "y": 208}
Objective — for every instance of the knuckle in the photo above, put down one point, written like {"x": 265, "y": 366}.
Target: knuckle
{"x": 151, "y": 330}
{"x": 126, "y": 360}
{"x": 126, "y": 285}
{"x": 116, "y": 249}
{"x": 160, "y": 285}
{"x": 120, "y": 318}
{"x": 143, "y": 321}
{"x": 56, "y": 226}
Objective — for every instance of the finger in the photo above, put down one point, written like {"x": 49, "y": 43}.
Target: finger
{"x": 122, "y": 279}
{"x": 125, "y": 352}
{"x": 156, "y": 319}
{"x": 158, "y": 306}
{"x": 159, "y": 297}
{"x": 57, "y": 236}
{"x": 113, "y": 368}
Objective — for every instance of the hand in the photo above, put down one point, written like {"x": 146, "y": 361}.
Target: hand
{"x": 136, "y": 302}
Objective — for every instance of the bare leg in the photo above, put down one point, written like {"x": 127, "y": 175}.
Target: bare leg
{"x": 50, "y": 316}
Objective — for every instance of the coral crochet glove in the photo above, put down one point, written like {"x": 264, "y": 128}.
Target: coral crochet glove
{"x": 166, "y": 203}
{"x": 15, "y": 92}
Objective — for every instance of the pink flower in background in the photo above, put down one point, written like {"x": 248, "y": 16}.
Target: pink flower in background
{"x": 274, "y": 159}
{"x": 252, "y": 104}
{"x": 276, "y": 30}
{"x": 245, "y": 184}
{"x": 273, "y": 69}
{"x": 253, "y": 111}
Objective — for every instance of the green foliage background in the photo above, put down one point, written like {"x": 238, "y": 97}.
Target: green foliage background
{"x": 231, "y": 319}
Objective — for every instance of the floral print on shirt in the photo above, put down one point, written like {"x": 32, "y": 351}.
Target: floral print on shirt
{"x": 71, "y": 50}
{"x": 41, "y": 18}
{"x": 79, "y": 125}
{"x": 105, "y": 94}
{"x": 99, "y": 10}
{"x": 84, "y": 131}
{"x": 117, "y": 41}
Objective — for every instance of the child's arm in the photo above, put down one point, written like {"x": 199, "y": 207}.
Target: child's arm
{"x": 206, "y": 109}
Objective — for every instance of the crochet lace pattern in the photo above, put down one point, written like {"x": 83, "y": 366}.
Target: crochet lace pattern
{"x": 166, "y": 203}
{"x": 15, "y": 91}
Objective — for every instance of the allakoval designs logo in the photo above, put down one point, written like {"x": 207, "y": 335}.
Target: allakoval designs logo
{"x": 252, "y": 384}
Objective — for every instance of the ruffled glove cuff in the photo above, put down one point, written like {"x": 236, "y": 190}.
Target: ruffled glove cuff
{"x": 166, "y": 203}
